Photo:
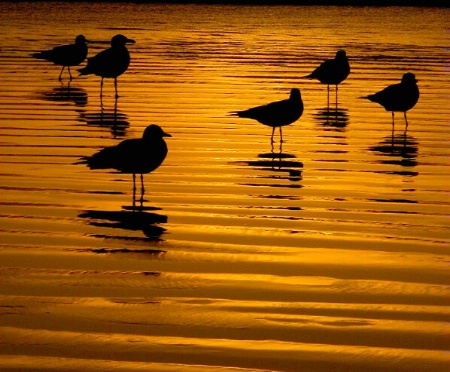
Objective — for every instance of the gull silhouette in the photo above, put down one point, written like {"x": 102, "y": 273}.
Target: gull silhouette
{"x": 399, "y": 97}
{"x": 66, "y": 55}
{"x": 135, "y": 156}
{"x": 332, "y": 72}
{"x": 276, "y": 114}
{"x": 111, "y": 62}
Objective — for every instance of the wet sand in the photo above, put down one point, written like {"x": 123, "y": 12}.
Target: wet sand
{"x": 329, "y": 252}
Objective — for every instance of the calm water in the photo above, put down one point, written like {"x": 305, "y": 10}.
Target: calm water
{"x": 330, "y": 256}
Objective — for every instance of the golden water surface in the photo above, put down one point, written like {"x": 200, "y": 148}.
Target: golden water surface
{"x": 329, "y": 253}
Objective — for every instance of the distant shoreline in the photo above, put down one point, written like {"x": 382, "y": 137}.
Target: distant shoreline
{"x": 366, "y": 3}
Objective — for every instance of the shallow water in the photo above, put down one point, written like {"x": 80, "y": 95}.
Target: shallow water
{"x": 329, "y": 255}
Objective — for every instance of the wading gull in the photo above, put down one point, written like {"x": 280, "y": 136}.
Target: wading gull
{"x": 276, "y": 114}
{"x": 111, "y": 62}
{"x": 66, "y": 55}
{"x": 132, "y": 156}
{"x": 399, "y": 97}
{"x": 332, "y": 72}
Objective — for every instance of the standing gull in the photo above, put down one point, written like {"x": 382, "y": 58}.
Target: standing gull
{"x": 332, "y": 71}
{"x": 276, "y": 114}
{"x": 66, "y": 55}
{"x": 111, "y": 62}
{"x": 399, "y": 97}
{"x": 135, "y": 156}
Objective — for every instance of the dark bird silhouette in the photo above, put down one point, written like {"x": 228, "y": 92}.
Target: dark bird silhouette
{"x": 276, "y": 114}
{"x": 399, "y": 97}
{"x": 111, "y": 62}
{"x": 332, "y": 72}
{"x": 66, "y": 55}
{"x": 135, "y": 156}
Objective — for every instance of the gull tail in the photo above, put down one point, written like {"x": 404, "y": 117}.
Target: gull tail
{"x": 369, "y": 97}
{"x": 90, "y": 162}
{"x": 84, "y": 71}
{"x": 83, "y": 160}
{"x": 40, "y": 55}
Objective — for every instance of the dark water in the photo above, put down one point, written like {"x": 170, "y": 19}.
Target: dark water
{"x": 330, "y": 253}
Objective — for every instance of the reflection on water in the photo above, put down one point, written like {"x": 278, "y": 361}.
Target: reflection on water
{"x": 399, "y": 149}
{"x": 140, "y": 220}
{"x": 116, "y": 120}
{"x": 312, "y": 254}
{"x": 67, "y": 93}
{"x": 335, "y": 120}
{"x": 280, "y": 166}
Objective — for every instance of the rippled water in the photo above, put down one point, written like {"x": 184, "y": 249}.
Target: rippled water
{"x": 330, "y": 253}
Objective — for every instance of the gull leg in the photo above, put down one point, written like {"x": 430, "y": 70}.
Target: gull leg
{"x": 328, "y": 97}
{"x": 271, "y": 138}
{"x": 115, "y": 110}
{"x": 141, "y": 200}
{"x": 115, "y": 86}
{"x": 134, "y": 192}
{"x": 101, "y": 108}
{"x": 70, "y": 79}
{"x": 142, "y": 186}
{"x": 393, "y": 123}
{"x": 60, "y": 74}
{"x": 101, "y": 88}
{"x": 336, "y": 97}
{"x": 406, "y": 121}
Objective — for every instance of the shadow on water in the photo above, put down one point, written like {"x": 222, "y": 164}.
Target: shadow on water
{"x": 66, "y": 93}
{"x": 143, "y": 219}
{"x": 280, "y": 165}
{"x": 332, "y": 119}
{"x": 115, "y": 120}
{"x": 400, "y": 149}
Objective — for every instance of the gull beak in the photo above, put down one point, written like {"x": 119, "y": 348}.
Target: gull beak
{"x": 130, "y": 41}
{"x": 166, "y": 134}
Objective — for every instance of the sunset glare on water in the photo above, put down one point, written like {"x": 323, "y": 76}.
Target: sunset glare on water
{"x": 326, "y": 252}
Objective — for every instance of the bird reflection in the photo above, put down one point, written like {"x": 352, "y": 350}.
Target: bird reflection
{"x": 333, "y": 120}
{"x": 141, "y": 220}
{"x": 281, "y": 165}
{"x": 400, "y": 150}
{"x": 116, "y": 120}
{"x": 67, "y": 93}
